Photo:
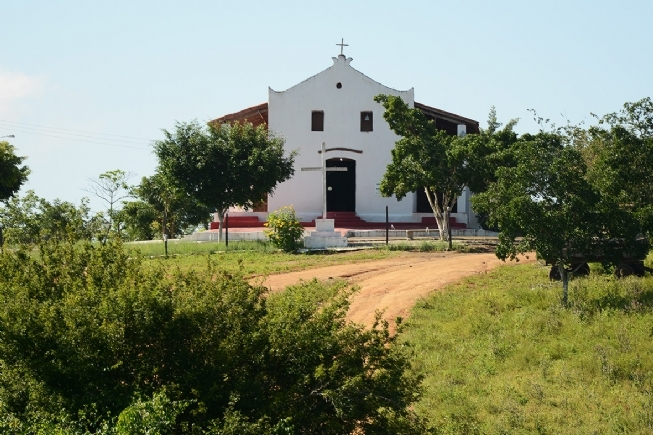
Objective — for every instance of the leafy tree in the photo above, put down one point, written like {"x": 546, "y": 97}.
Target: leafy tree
{"x": 141, "y": 220}
{"x": 619, "y": 154}
{"x": 21, "y": 218}
{"x": 112, "y": 188}
{"x": 29, "y": 219}
{"x": 224, "y": 165}
{"x": 443, "y": 165}
{"x": 546, "y": 203}
{"x": 174, "y": 210}
{"x": 12, "y": 174}
{"x": 92, "y": 340}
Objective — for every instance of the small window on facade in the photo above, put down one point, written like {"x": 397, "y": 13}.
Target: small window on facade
{"x": 317, "y": 120}
{"x": 366, "y": 121}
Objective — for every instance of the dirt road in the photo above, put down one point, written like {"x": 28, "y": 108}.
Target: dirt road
{"x": 394, "y": 285}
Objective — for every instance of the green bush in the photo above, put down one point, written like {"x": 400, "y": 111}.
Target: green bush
{"x": 93, "y": 341}
{"x": 284, "y": 230}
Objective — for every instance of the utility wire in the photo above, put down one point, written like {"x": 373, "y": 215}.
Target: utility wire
{"x": 40, "y": 131}
{"x": 83, "y": 140}
{"x": 42, "y": 127}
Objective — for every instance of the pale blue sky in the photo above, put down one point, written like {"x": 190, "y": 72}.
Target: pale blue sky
{"x": 132, "y": 68}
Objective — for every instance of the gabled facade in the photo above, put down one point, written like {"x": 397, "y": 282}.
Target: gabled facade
{"x": 337, "y": 107}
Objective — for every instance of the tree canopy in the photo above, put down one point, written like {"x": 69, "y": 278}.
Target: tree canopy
{"x": 224, "y": 165}
{"x": 571, "y": 192}
{"x": 619, "y": 154}
{"x": 29, "y": 219}
{"x": 162, "y": 208}
{"x": 12, "y": 174}
{"x": 112, "y": 188}
{"x": 443, "y": 165}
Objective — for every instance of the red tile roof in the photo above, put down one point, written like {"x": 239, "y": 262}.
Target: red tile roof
{"x": 472, "y": 125}
{"x": 257, "y": 115}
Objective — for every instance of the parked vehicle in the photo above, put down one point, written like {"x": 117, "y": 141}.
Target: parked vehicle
{"x": 630, "y": 262}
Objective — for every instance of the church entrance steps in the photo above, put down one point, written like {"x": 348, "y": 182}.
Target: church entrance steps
{"x": 240, "y": 222}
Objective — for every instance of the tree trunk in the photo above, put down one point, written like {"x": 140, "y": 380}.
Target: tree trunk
{"x": 442, "y": 214}
{"x": 443, "y": 226}
{"x": 564, "y": 276}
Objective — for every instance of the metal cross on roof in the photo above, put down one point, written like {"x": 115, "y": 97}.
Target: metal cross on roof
{"x": 342, "y": 45}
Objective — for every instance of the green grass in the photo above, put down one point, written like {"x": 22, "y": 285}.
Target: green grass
{"x": 260, "y": 258}
{"x": 500, "y": 355}
{"x": 254, "y": 258}
{"x": 184, "y": 247}
{"x": 424, "y": 246}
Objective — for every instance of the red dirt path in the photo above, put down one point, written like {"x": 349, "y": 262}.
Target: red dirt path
{"x": 395, "y": 284}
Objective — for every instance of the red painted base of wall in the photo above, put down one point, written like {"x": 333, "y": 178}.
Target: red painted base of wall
{"x": 342, "y": 220}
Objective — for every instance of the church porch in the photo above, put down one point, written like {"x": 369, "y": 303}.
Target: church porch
{"x": 349, "y": 220}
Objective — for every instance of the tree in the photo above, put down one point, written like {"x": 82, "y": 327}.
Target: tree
{"x": 443, "y": 165}
{"x": 619, "y": 155}
{"x": 141, "y": 220}
{"x": 546, "y": 203}
{"x": 173, "y": 209}
{"x": 224, "y": 165}
{"x": 12, "y": 175}
{"x": 30, "y": 219}
{"x": 111, "y": 187}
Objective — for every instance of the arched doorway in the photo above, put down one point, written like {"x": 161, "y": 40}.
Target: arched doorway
{"x": 341, "y": 185}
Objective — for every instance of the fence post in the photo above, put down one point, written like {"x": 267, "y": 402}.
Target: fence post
{"x": 386, "y": 225}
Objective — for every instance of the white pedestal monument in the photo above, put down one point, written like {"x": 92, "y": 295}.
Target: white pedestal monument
{"x": 324, "y": 235}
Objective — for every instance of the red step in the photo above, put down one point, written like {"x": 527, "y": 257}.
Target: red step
{"x": 240, "y": 222}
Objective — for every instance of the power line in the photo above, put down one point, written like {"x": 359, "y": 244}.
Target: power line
{"x": 41, "y": 131}
{"x": 82, "y": 140}
{"x": 42, "y": 127}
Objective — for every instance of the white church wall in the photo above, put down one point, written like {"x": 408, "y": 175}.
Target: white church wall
{"x": 290, "y": 116}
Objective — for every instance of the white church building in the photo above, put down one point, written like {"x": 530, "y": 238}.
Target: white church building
{"x": 337, "y": 107}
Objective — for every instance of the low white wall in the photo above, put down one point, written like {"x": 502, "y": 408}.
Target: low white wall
{"x": 420, "y": 233}
{"x": 212, "y": 236}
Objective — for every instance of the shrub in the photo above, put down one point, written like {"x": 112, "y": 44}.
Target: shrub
{"x": 93, "y": 341}
{"x": 284, "y": 230}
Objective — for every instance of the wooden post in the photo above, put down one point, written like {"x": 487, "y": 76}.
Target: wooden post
{"x": 449, "y": 228}
{"x": 226, "y": 234}
{"x": 386, "y": 225}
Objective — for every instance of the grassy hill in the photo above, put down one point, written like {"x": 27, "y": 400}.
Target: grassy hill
{"x": 500, "y": 355}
